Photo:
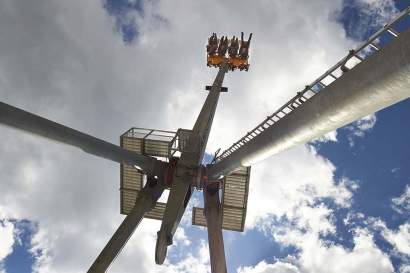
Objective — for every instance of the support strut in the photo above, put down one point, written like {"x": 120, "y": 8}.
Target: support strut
{"x": 213, "y": 215}
{"x": 145, "y": 201}
{"x": 28, "y": 122}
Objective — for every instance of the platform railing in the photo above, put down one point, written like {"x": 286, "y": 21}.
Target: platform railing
{"x": 354, "y": 57}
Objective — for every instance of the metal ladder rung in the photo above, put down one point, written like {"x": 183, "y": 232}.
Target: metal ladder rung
{"x": 296, "y": 101}
{"x": 358, "y": 57}
{"x": 333, "y": 76}
{"x": 393, "y": 32}
{"x": 374, "y": 46}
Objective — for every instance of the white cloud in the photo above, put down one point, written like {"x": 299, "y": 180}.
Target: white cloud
{"x": 293, "y": 198}
{"x": 360, "y": 127}
{"x": 399, "y": 239}
{"x": 277, "y": 267}
{"x": 401, "y": 204}
{"x": 318, "y": 256}
{"x": 331, "y": 136}
{"x": 6, "y": 239}
{"x": 63, "y": 61}
{"x": 381, "y": 10}
{"x": 297, "y": 178}
{"x": 181, "y": 237}
{"x": 365, "y": 124}
{"x": 405, "y": 269}
{"x": 373, "y": 14}
{"x": 192, "y": 263}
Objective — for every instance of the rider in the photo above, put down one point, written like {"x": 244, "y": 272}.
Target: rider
{"x": 244, "y": 49}
{"x": 223, "y": 46}
{"x": 233, "y": 48}
{"x": 212, "y": 45}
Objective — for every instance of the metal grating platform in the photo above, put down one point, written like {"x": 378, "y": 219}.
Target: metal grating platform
{"x": 158, "y": 143}
{"x": 234, "y": 201}
{"x": 148, "y": 142}
{"x": 232, "y": 219}
{"x": 198, "y": 217}
{"x": 157, "y": 213}
{"x": 131, "y": 179}
{"x": 236, "y": 188}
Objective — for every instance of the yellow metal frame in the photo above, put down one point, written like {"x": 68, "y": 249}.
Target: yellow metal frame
{"x": 234, "y": 63}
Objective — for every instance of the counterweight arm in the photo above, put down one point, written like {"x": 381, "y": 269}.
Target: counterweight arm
{"x": 20, "y": 119}
{"x": 379, "y": 81}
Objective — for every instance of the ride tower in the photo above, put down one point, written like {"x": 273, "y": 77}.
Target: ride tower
{"x": 181, "y": 154}
{"x": 370, "y": 78}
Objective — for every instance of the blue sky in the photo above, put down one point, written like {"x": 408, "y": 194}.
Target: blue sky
{"x": 374, "y": 159}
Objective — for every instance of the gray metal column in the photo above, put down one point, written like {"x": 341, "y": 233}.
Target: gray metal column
{"x": 203, "y": 124}
{"x": 28, "y": 122}
{"x": 191, "y": 158}
{"x": 213, "y": 215}
{"x": 378, "y": 82}
{"x": 174, "y": 211}
{"x": 146, "y": 200}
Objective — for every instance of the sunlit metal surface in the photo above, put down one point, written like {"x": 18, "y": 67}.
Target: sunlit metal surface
{"x": 354, "y": 57}
{"x": 375, "y": 83}
{"x": 132, "y": 180}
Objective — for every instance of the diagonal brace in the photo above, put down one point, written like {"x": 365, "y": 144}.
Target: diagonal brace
{"x": 145, "y": 201}
{"x": 213, "y": 215}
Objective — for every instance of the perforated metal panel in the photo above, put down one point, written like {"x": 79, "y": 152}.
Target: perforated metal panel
{"x": 232, "y": 218}
{"x": 132, "y": 144}
{"x": 128, "y": 200}
{"x": 198, "y": 217}
{"x": 149, "y": 142}
{"x": 132, "y": 179}
{"x": 157, "y": 212}
{"x": 234, "y": 201}
{"x": 156, "y": 147}
{"x": 235, "y": 191}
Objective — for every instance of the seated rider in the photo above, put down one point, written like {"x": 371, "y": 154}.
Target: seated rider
{"x": 244, "y": 49}
{"x": 233, "y": 47}
{"x": 223, "y": 46}
{"x": 212, "y": 45}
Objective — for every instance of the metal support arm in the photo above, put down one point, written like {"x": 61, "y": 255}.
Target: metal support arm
{"x": 20, "y": 119}
{"x": 378, "y": 82}
{"x": 203, "y": 124}
{"x": 213, "y": 215}
{"x": 146, "y": 200}
{"x": 191, "y": 157}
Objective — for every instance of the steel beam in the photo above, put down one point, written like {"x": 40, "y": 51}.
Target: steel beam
{"x": 145, "y": 201}
{"x": 203, "y": 124}
{"x": 379, "y": 81}
{"x": 191, "y": 158}
{"x": 177, "y": 201}
{"x": 213, "y": 216}
{"x": 20, "y": 119}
